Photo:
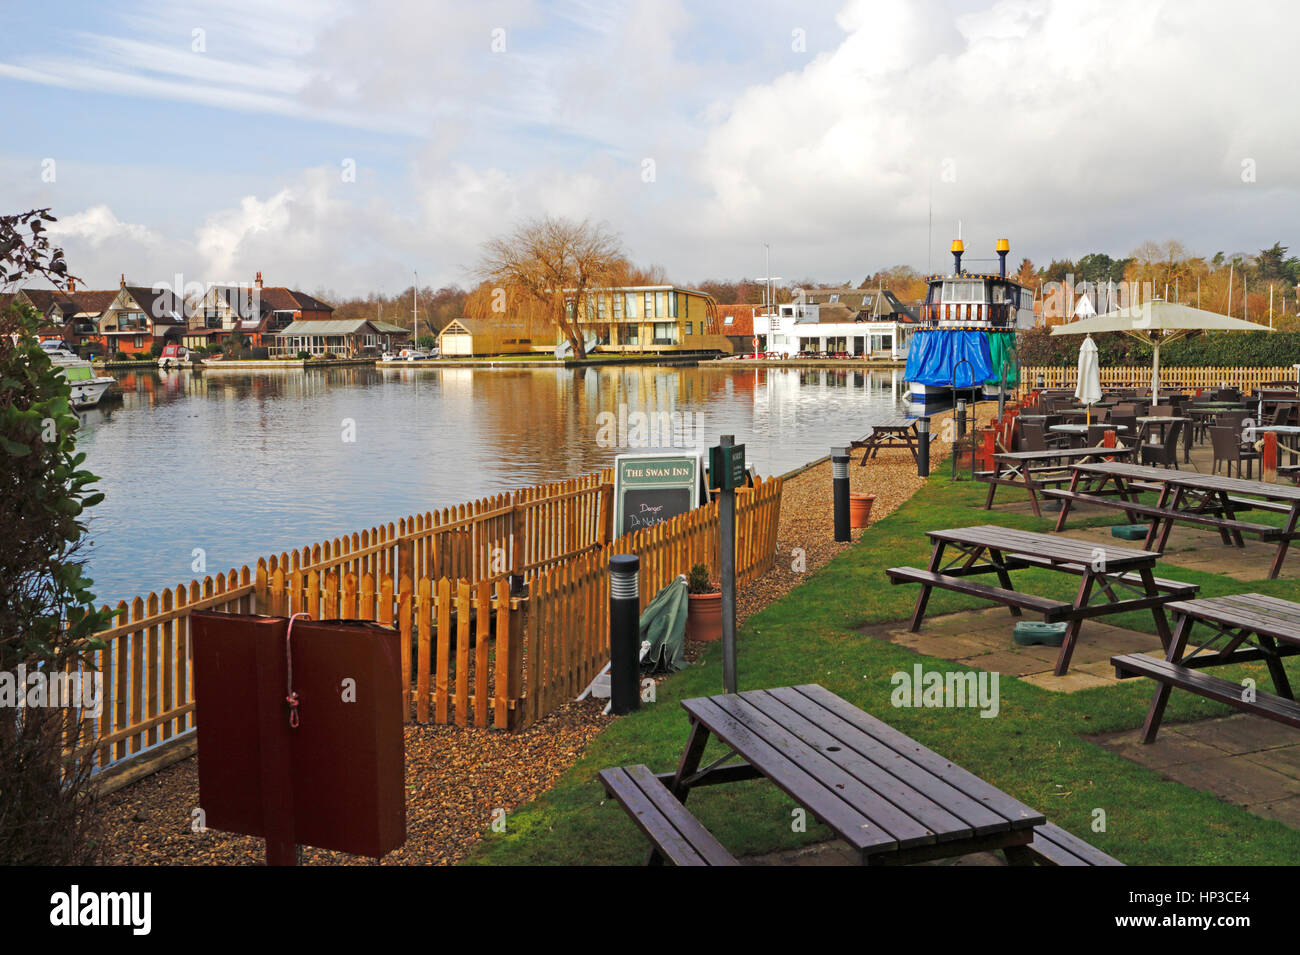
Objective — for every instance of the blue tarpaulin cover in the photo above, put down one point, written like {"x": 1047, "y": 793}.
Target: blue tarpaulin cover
{"x": 936, "y": 356}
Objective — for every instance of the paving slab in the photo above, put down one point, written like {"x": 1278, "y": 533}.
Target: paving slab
{"x": 1072, "y": 682}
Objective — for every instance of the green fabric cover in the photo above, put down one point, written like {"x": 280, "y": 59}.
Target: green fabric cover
{"x": 663, "y": 625}
{"x": 1002, "y": 347}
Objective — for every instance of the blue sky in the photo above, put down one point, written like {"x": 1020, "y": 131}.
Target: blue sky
{"x": 211, "y": 139}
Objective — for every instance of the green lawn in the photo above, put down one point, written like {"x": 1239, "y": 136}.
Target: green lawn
{"x": 1033, "y": 749}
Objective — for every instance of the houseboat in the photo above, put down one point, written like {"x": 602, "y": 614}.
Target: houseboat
{"x": 87, "y": 388}
{"x": 966, "y": 343}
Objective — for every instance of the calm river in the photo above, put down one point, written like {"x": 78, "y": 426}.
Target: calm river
{"x": 243, "y": 464}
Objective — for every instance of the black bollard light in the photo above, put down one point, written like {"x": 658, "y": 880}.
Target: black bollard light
{"x": 959, "y": 422}
{"x": 840, "y": 488}
{"x": 624, "y": 634}
{"x": 923, "y": 447}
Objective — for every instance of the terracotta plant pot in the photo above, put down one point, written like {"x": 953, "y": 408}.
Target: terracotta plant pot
{"x": 704, "y": 617}
{"x": 860, "y": 509}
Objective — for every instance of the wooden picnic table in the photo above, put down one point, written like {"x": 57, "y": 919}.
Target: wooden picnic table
{"x": 1115, "y": 572}
{"x": 1207, "y": 500}
{"x": 891, "y": 799}
{"x": 1243, "y": 627}
{"x": 1033, "y": 470}
{"x": 889, "y": 436}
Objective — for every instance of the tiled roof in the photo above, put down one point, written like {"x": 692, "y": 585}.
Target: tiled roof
{"x": 282, "y": 299}
{"x": 742, "y": 320}
{"x": 163, "y": 306}
{"x": 91, "y": 302}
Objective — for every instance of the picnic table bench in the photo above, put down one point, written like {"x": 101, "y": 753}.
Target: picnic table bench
{"x": 889, "y": 436}
{"x": 1034, "y": 470}
{"x": 1206, "y": 500}
{"x": 1124, "y": 576}
{"x": 891, "y": 799}
{"x": 1251, "y": 627}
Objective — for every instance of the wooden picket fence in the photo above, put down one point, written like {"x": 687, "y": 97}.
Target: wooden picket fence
{"x": 443, "y": 580}
{"x": 568, "y": 608}
{"x": 1246, "y": 379}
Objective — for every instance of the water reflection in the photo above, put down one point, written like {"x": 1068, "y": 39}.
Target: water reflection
{"x": 216, "y": 467}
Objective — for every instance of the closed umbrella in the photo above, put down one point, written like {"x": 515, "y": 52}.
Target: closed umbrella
{"x": 1089, "y": 388}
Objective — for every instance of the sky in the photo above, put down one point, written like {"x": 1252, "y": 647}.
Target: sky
{"x": 345, "y": 145}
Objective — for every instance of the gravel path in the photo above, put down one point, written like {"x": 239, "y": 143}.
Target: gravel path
{"x": 458, "y": 777}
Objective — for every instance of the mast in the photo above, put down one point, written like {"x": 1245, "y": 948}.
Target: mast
{"x": 415, "y": 315}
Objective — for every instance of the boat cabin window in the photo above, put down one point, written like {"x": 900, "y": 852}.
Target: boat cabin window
{"x": 964, "y": 291}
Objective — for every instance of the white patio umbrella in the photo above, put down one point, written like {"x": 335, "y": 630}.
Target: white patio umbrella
{"x": 1089, "y": 388}
{"x": 1157, "y": 323}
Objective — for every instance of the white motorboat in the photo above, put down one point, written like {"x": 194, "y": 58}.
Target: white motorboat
{"x": 88, "y": 388}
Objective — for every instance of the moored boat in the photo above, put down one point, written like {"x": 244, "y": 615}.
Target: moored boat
{"x": 966, "y": 345}
{"x": 87, "y": 388}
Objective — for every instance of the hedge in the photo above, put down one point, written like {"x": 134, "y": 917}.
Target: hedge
{"x": 1212, "y": 349}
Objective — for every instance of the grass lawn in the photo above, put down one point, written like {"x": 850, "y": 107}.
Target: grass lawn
{"x": 1033, "y": 748}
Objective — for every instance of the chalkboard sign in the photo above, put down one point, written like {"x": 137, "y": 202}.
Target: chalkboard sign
{"x": 652, "y": 488}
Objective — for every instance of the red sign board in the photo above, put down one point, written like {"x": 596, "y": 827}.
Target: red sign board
{"x": 336, "y": 779}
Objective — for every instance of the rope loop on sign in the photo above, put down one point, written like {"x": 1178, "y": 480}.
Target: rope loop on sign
{"x": 292, "y": 698}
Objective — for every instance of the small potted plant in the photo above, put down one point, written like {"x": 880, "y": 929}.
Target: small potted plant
{"x": 704, "y": 617}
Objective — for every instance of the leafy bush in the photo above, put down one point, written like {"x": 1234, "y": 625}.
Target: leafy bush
{"x": 155, "y": 352}
{"x": 260, "y": 352}
{"x": 1202, "y": 349}
{"x": 48, "y": 619}
{"x": 304, "y": 355}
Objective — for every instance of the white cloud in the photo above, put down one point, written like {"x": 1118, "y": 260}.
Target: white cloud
{"x": 1070, "y": 127}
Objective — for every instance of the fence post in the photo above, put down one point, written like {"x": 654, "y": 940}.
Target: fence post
{"x": 517, "y": 538}
{"x": 1268, "y": 459}
{"x": 261, "y": 589}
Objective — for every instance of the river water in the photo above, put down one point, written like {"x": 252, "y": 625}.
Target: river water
{"x": 229, "y": 465}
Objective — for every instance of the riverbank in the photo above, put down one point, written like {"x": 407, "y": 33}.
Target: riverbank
{"x": 531, "y": 361}
{"x": 456, "y": 777}
{"x": 1072, "y": 755}
{"x": 845, "y": 363}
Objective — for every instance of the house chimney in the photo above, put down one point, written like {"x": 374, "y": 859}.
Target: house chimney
{"x": 122, "y": 281}
{"x": 1003, "y": 248}
{"x": 259, "y": 280}
{"x": 957, "y": 250}
{"x": 72, "y": 284}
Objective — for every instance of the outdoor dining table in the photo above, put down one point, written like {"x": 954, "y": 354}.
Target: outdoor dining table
{"x": 1032, "y": 470}
{"x": 1284, "y": 431}
{"x": 1207, "y": 500}
{"x": 890, "y": 798}
{"x": 1243, "y": 627}
{"x": 1123, "y": 576}
{"x": 1083, "y": 428}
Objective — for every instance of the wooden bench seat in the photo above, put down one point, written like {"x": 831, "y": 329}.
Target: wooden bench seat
{"x": 1264, "y": 531}
{"x": 1253, "y": 504}
{"x": 1264, "y": 704}
{"x": 1052, "y": 845}
{"x": 676, "y": 834}
{"x": 1052, "y": 610}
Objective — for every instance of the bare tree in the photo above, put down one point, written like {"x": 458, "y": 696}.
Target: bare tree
{"x": 546, "y": 269}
